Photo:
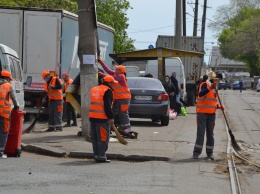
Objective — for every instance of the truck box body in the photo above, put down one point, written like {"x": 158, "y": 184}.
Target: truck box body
{"x": 46, "y": 39}
{"x": 10, "y": 61}
{"x": 192, "y": 65}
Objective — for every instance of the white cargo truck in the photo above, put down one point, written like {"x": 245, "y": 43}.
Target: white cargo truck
{"x": 173, "y": 64}
{"x": 10, "y": 61}
{"x": 46, "y": 39}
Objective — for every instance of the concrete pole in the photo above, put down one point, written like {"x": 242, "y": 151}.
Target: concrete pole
{"x": 195, "y": 24}
{"x": 178, "y": 26}
{"x": 87, "y": 55}
{"x": 184, "y": 16}
{"x": 204, "y": 20}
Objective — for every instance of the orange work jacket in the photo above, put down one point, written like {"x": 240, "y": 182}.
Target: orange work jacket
{"x": 66, "y": 85}
{"x": 5, "y": 100}
{"x": 53, "y": 94}
{"x": 97, "y": 109}
{"x": 207, "y": 103}
{"x": 121, "y": 92}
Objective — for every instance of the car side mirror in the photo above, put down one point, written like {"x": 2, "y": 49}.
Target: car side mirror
{"x": 28, "y": 81}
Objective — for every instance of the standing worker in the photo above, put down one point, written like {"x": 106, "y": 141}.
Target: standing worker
{"x": 53, "y": 88}
{"x": 100, "y": 116}
{"x": 122, "y": 96}
{"x": 70, "y": 112}
{"x": 207, "y": 103}
{"x": 6, "y": 98}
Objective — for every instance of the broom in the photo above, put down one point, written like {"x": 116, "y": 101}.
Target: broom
{"x": 233, "y": 140}
{"x": 119, "y": 137}
{"x": 30, "y": 128}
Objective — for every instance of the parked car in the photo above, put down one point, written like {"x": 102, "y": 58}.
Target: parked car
{"x": 258, "y": 86}
{"x": 236, "y": 85}
{"x": 223, "y": 85}
{"x": 149, "y": 99}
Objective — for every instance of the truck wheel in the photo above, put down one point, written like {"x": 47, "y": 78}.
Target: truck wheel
{"x": 191, "y": 99}
{"x": 165, "y": 120}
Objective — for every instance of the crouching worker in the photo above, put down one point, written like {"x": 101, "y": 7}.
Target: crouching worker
{"x": 6, "y": 98}
{"x": 101, "y": 117}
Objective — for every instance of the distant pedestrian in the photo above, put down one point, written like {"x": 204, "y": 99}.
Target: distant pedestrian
{"x": 207, "y": 103}
{"x": 170, "y": 89}
{"x": 70, "y": 111}
{"x": 6, "y": 98}
{"x": 240, "y": 85}
{"x": 100, "y": 116}
{"x": 53, "y": 88}
{"x": 177, "y": 93}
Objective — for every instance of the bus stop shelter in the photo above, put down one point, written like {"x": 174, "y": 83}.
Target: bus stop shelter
{"x": 158, "y": 53}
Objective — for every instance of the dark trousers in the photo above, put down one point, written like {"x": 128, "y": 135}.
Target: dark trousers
{"x": 71, "y": 114}
{"x": 100, "y": 138}
{"x": 205, "y": 122}
{"x": 55, "y": 114}
{"x": 4, "y": 130}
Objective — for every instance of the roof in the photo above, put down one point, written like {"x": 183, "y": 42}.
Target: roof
{"x": 153, "y": 54}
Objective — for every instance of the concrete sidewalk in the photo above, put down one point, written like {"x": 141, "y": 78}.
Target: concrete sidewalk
{"x": 154, "y": 142}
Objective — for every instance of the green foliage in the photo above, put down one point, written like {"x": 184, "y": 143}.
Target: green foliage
{"x": 51, "y": 4}
{"x": 112, "y": 13}
{"x": 241, "y": 39}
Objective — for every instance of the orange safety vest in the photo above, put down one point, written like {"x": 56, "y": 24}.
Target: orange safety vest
{"x": 121, "y": 92}
{"x": 5, "y": 100}
{"x": 53, "y": 94}
{"x": 66, "y": 85}
{"x": 207, "y": 103}
{"x": 97, "y": 109}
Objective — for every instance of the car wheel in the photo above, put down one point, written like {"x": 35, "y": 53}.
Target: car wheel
{"x": 155, "y": 120}
{"x": 165, "y": 120}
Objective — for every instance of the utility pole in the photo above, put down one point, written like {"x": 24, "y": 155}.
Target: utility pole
{"x": 178, "y": 26}
{"x": 184, "y": 16}
{"x": 195, "y": 23}
{"x": 87, "y": 56}
{"x": 204, "y": 20}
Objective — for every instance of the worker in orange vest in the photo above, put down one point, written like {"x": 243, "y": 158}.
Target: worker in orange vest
{"x": 207, "y": 103}
{"x": 122, "y": 97}
{"x": 53, "y": 88}
{"x": 101, "y": 116}
{"x": 70, "y": 111}
{"x": 6, "y": 98}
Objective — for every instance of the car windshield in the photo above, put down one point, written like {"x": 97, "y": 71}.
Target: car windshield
{"x": 147, "y": 83}
{"x": 236, "y": 82}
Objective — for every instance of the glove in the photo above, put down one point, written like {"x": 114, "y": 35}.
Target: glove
{"x": 213, "y": 86}
{"x": 220, "y": 107}
{"x": 99, "y": 60}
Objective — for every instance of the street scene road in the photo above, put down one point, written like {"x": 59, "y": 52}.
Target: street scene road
{"x": 160, "y": 160}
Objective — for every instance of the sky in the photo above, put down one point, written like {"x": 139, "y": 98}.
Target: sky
{"x": 150, "y": 18}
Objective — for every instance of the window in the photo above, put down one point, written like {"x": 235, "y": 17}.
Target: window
{"x": 17, "y": 69}
{"x": 12, "y": 69}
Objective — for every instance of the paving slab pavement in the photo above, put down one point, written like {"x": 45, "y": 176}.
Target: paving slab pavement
{"x": 174, "y": 142}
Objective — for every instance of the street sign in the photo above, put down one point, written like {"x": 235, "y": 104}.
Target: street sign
{"x": 150, "y": 46}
